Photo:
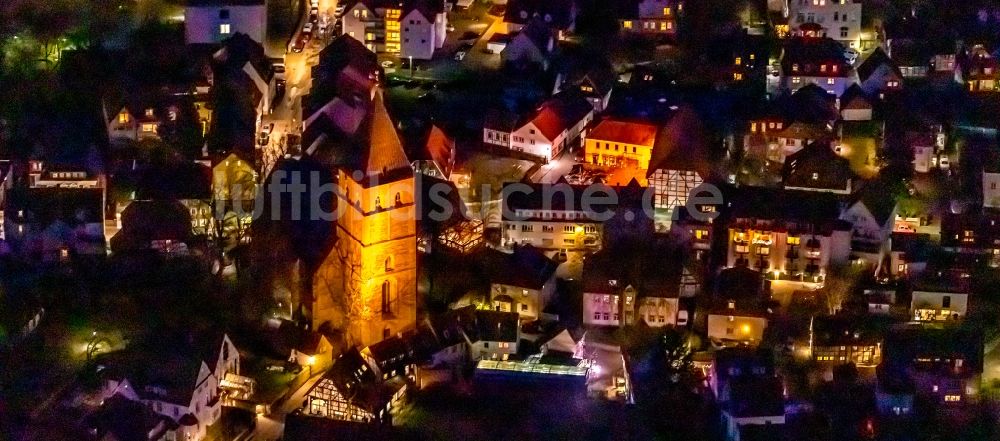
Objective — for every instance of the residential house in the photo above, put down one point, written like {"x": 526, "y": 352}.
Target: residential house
{"x": 747, "y": 389}
{"x": 552, "y": 217}
{"x": 880, "y": 301}
{"x": 819, "y": 61}
{"x": 872, "y": 215}
{"x": 925, "y": 145}
{"x": 62, "y": 214}
{"x": 531, "y": 47}
{"x": 791, "y": 122}
{"x": 894, "y": 394}
{"x": 991, "y": 184}
{"x": 941, "y": 296}
{"x": 181, "y": 378}
{"x": 855, "y": 105}
{"x": 908, "y": 254}
{"x": 432, "y": 152}
{"x": 555, "y": 126}
{"x": 944, "y": 365}
{"x": 911, "y": 56}
{"x": 622, "y": 288}
{"x": 160, "y": 225}
{"x": 244, "y": 85}
{"x": 679, "y": 162}
{"x": 212, "y": 21}
{"x": 619, "y": 143}
{"x": 879, "y": 74}
{"x": 22, "y": 313}
{"x": 836, "y": 19}
{"x": 560, "y": 15}
{"x": 351, "y": 391}
{"x": 496, "y": 336}
{"x": 452, "y": 330}
{"x": 139, "y": 120}
{"x": 817, "y": 168}
{"x": 594, "y": 79}
{"x": 840, "y": 339}
{"x": 736, "y": 323}
{"x": 981, "y": 71}
{"x": 522, "y": 281}
{"x": 424, "y": 24}
{"x": 793, "y": 234}
{"x": 119, "y": 418}
{"x": 6, "y": 183}
{"x": 375, "y": 24}
{"x": 234, "y": 188}
{"x": 389, "y": 358}
{"x": 498, "y": 126}
{"x": 656, "y": 17}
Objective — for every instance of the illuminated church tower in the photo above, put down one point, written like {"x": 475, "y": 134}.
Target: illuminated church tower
{"x": 366, "y": 286}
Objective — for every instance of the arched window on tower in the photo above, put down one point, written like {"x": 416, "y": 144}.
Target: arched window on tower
{"x": 399, "y": 199}
{"x": 388, "y": 264}
{"x": 378, "y": 203}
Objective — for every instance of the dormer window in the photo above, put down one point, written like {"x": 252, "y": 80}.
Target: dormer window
{"x": 815, "y": 176}
{"x": 795, "y": 67}
{"x": 123, "y": 118}
{"x": 738, "y": 61}
{"x": 149, "y": 111}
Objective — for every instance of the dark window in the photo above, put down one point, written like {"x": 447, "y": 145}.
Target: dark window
{"x": 224, "y": 14}
{"x": 946, "y": 302}
{"x": 386, "y": 301}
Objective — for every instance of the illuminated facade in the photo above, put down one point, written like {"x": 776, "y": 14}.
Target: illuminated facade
{"x": 367, "y": 284}
{"x": 411, "y": 29}
{"x": 614, "y": 143}
{"x": 654, "y": 17}
{"x": 836, "y": 19}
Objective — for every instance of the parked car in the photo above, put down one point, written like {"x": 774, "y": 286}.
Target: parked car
{"x": 450, "y": 28}
{"x": 427, "y": 97}
{"x": 322, "y": 27}
{"x": 300, "y": 43}
{"x": 387, "y": 64}
{"x": 308, "y": 28}
{"x": 460, "y": 55}
{"x": 279, "y": 71}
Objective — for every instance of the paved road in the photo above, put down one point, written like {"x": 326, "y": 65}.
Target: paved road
{"x": 555, "y": 169}
{"x": 270, "y": 427}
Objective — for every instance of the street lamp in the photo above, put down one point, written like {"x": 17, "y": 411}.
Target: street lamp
{"x": 411, "y": 66}
{"x": 311, "y": 361}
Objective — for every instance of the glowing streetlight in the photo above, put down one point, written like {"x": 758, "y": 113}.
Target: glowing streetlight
{"x": 311, "y": 361}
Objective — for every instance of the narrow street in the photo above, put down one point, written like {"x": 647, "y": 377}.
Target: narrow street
{"x": 271, "y": 426}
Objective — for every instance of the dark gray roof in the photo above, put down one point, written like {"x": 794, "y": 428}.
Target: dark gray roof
{"x": 816, "y": 166}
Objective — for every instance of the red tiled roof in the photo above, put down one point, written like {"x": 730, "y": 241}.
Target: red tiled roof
{"x": 560, "y": 113}
{"x": 624, "y": 132}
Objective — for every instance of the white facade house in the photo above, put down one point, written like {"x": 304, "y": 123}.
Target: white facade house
{"x": 423, "y": 32}
{"x": 556, "y": 125}
{"x": 991, "y": 188}
{"x": 211, "y": 21}
{"x": 186, "y": 389}
{"x": 836, "y": 19}
{"x": 938, "y": 305}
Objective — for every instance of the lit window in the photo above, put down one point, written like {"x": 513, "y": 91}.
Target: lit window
{"x": 149, "y": 111}
{"x": 796, "y": 80}
{"x": 149, "y": 127}
{"x": 123, "y": 118}
{"x": 793, "y": 240}
{"x": 224, "y": 29}
{"x": 739, "y": 61}
{"x": 952, "y": 398}
{"x": 737, "y": 76}
{"x": 666, "y": 11}
{"x": 627, "y": 24}
{"x": 831, "y": 81}
{"x": 663, "y": 25}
